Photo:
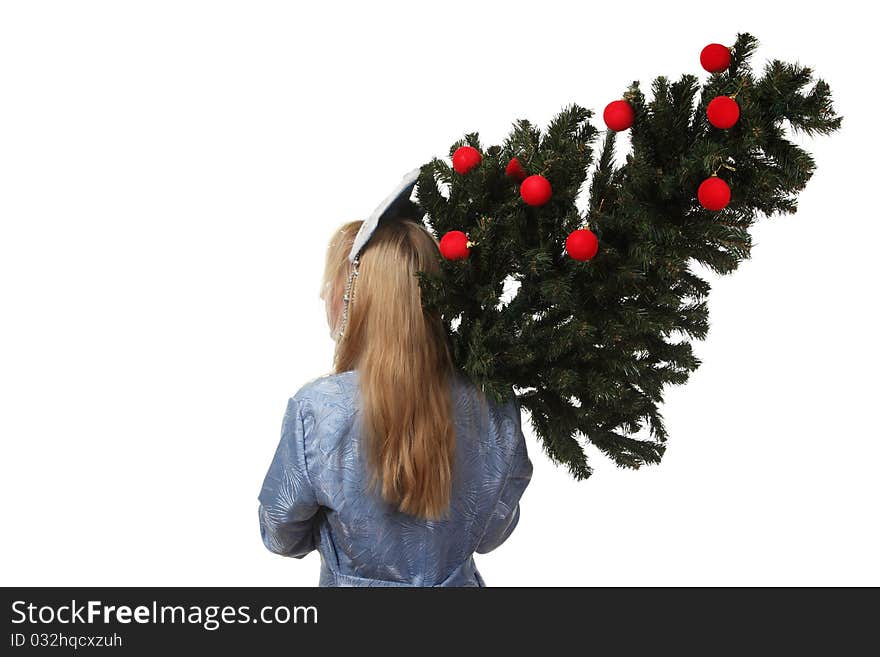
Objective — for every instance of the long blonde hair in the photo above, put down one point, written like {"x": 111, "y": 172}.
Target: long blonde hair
{"x": 403, "y": 359}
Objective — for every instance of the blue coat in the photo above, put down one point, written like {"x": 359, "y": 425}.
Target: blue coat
{"x": 315, "y": 493}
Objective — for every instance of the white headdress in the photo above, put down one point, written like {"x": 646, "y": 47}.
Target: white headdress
{"x": 396, "y": 203}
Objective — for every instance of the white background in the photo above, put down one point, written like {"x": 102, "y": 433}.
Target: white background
{"x": 170, "y": 173}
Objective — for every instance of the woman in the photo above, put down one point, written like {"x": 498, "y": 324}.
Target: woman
{"x": 394, "y": 467}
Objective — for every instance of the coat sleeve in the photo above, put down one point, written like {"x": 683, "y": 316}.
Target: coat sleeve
{"x": 288, "y": 504}
{"x": 505, "y": 517}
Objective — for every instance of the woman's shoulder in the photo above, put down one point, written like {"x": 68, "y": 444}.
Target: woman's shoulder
{"x": 465, "y": 385}
{"x": 327, "y": 389}
{"x": 338, "y": 393}
{"x": 326, "y": 404}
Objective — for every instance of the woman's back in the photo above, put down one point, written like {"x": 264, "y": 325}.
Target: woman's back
{"x": 316, "y": 493}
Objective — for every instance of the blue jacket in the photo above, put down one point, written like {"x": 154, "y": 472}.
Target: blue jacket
{"x": 315, "y": 493}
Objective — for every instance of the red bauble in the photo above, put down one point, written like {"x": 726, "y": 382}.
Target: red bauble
{"x": 723, "y": 112}
{"x": 465, "y": 158}
{"x": 714, "y": 194}
{"x": 454, "y": 245}
{"x": 535, "y": 190}
{"x": 619, "y": 115}
{"x": 715, "y": 57}
{"x": 582, "y": 244}
{"x": 514, "y": 170}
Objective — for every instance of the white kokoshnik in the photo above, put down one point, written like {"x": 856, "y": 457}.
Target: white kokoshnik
{"x": 394, "y": 203}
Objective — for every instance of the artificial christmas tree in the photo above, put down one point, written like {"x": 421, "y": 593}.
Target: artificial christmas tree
{"x": 588, "y": 343}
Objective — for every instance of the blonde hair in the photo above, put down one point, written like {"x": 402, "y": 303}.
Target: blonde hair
{"x": 403, "y": 359}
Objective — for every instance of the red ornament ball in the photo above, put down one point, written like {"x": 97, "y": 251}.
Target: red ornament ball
{"x": 514, "y": 170}
{"x": 454, "y": 245}
{"x": 582, "y": 244}
{"x": 465, "y": 158}
{"x": 714, "y": 194}
{"x": 715, "y": 57}
{"x": 619, "y": 115}
{"x": 535, "y": 190}
{"x": 723, "y": 112}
